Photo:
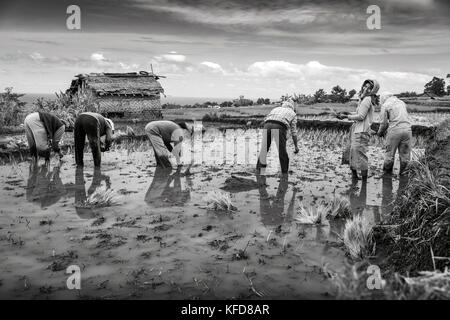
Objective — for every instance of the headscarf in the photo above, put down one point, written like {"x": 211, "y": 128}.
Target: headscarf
{"x": 385, "y": 96}
{"x": 372, "y": 92}
{"x": 288, "y": 104}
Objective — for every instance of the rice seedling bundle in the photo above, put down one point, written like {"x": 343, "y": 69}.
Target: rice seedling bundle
{"x": 312, "y": 214}
{"x": 358, "y": 237}
{"x": 102, "y": 197}
{"x": 219, "y": 201}
{"x": 340, "y": 207}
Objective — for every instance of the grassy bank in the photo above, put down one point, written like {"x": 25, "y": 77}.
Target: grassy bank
{"x": 413, "y": 244}
{"x": 417, "y": 235}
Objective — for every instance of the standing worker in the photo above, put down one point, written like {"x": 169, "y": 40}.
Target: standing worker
{"x": 44, "y": 131}
{"x": 276, "y": 125}
{"x": 360, "y": 130}
{"x": 95, "y": 126}
{"x": 161, "y": 134}
{"x": 394, "y": 118}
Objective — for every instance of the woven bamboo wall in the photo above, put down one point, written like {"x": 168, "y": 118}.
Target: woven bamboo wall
{"x": 136, "y": 107}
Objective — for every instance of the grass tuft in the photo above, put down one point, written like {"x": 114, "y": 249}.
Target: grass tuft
{"x": 358, "y": 237}
{"x": 340, "y": 207}
{"x": 219, "y": 201}
{"x": 100, "y": 198}
{"x": 312, "y": 214}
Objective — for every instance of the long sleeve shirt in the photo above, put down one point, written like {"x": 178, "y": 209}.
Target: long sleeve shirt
{"x": 393, "y": 115}
{"x": 285, "y": 115}
{"x": 363, "y": 117}
{"x": 104, "y": 129}
{"x": 54, "y": 127}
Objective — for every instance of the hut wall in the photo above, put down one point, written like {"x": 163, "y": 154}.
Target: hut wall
{"x": 131, "y": 107}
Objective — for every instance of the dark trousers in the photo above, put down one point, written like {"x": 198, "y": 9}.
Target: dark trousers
{"x": 86, "y": 125}
{"x": 277, "y": 132}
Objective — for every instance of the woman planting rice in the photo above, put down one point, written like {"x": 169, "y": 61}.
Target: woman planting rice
{"x": 394, "y": 118}
{"x": 43, "y": 131}
{"x": 360, "y": 130}
{"x": 161, "y": 134}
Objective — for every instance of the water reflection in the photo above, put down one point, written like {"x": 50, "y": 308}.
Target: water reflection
{"x": 44, "y": 186}
{"x": 358, "y": 197}
{"x": 80, "y": 190}
{"x": 166, "y": 188}
{"x": 272, "y": 208}
{"x": 387, "y": 202}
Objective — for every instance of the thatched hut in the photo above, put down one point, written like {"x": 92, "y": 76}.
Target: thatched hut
{"x": 129, "y": 95}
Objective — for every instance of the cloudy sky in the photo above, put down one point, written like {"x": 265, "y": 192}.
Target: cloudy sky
{"x": 225, "y": 48}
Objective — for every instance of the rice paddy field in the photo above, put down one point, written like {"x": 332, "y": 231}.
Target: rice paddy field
{"x": 212, "y": 229}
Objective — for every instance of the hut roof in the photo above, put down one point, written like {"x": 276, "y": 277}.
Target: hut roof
{"x": 142, "y": 83}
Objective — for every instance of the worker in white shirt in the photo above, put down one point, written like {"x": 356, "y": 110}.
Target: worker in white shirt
{"x": 395, "y": 120}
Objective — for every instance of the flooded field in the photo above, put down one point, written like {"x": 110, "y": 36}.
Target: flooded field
{"x": 160, "y": 241}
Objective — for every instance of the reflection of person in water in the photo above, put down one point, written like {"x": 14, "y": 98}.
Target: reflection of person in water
{"x": 161, "y": 194}
{"x": 272, "y": 214}
{"x": 387, "y": 202}
{"x": 44, "y": 186}
{"x": 80, "y": 190}
{"x": 358, "y": 201}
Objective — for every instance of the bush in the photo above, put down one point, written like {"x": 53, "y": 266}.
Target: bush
{"x": 11, "y": 108}
{"x": 68, "y": 107}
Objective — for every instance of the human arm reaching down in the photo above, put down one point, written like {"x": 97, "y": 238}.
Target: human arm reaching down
{"x": 384, "y": 122}
{"x": 294, "y": 133}
{"x": 177, "y": 150}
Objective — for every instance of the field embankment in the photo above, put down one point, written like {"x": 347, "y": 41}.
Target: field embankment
{"x": 417, "y": 235}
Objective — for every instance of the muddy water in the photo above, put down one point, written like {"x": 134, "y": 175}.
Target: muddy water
{"x": 161, "y": 242}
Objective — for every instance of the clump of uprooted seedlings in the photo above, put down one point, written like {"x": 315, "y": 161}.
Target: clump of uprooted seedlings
{"x": 358, "y": 237}
{"x": 102, "y": 197}
{"x": 219, "y": 201}
{"x": 315, "y": 215}
{"x": 339, "y": 208}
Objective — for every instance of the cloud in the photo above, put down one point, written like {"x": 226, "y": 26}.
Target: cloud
{"x": 242, "y": 17}
{"x": 98, "y": 56}
{"x": 212, "y": 66}
{"x": 314, "y": 75}
{"x": 36, "y": 56}
{"x": 171, "y": 57}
